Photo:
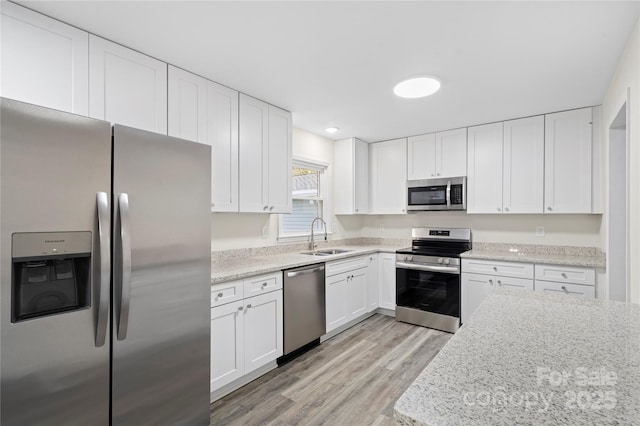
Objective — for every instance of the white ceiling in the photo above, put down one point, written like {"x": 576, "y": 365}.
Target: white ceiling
{"x": 334, "y": 63}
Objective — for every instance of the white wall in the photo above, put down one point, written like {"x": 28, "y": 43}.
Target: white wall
{"x": 570, "y": 230}
{"x": 627, "y": 78}
{"x": 242, "y": 230}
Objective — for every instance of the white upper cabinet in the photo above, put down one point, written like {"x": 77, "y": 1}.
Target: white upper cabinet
{"x": 265, "y": 157}
{"x": 388, "y": 176}
{"x": 127, "y": 87}
{"x": 206, "y": 112}
{"x": 351, "y": 181}
{"x": 523, "y": 175}
{"x": 44, "y": 61}
{"x": 567, "y": 166}
{"x": 435, "y": 155}
{"x": 506, "y": 166}
{"x": 484, "y": 175}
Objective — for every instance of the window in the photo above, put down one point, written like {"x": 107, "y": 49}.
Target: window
{"x": 308, "y": 191}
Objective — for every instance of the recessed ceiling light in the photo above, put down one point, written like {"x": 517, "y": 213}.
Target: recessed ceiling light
{"x": 417, "y": 87}
{"x": 331, "y": 129}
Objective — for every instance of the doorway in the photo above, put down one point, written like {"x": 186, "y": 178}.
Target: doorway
{"x": 618, "y": 250}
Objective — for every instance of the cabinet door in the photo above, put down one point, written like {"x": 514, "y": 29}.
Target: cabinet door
{"x": 421, "y": 157}
{"x": 279, "y": 155}
{"x": 484, "y": 179}
{"x": 372, "y": 279}
{"x": 344, "y": 176}
{"x": 387, "y": 280}
{"x": 227, "y": 344}
{"x": 474, "y": 290}
{"x": 222, "y": 136}
{"x": 361, "y": 175}
{"x": 337, "y": 305}
{"x": 358, "y": 289}
{"x": 44, "y": 61}
{"x": 389, "y": 177}
{"x": 187, "y": 105}
{"x": 127, "y": 87}
{"x": 262, "y": 330}
{"x": 523, "y": 165}
{"x": 451, "y": 153}
{"x": 253, "y": 163}
{"x": 567, "y": 165}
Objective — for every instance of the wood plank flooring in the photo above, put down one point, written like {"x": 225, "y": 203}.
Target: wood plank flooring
{"x": 352, "y": 379}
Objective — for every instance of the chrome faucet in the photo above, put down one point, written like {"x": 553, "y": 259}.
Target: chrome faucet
{"x": 312, "y": 243}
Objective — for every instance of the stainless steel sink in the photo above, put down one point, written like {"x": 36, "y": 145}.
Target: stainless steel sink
{"x": 326, "y": 252}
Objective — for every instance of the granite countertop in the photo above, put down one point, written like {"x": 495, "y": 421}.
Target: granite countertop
{"x": 223, "y": 270}
{"x": 531, "y": 358}
{"x": 587, "y": 257}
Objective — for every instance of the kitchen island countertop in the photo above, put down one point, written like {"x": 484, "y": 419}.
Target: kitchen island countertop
{"x": 530, "y": 358}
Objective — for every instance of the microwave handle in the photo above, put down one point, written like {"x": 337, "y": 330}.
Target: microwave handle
{"x": 449, "y": 195}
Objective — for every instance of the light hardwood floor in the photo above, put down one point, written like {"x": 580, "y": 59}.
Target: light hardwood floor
{"x": 352, "y": 379}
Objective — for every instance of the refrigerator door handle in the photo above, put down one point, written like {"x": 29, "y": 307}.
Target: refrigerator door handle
{"x": 125, "y": 253}
{"x": 102, "y": 203}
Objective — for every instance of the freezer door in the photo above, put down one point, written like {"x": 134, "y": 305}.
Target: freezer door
{"x": 55, "y": 174}
{"x": 161, "y": 284}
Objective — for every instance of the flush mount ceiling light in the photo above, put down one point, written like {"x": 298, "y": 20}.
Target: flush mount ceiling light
{"x": 417, "y": 87}
{"x": 331, "y": 129}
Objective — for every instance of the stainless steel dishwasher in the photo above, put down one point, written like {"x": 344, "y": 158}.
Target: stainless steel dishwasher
{"x": 304, "y": 306}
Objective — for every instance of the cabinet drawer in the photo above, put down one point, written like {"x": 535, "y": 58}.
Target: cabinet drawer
{"x": 340, "y": 266}
{"x": 224, "y": 293}
{"x": 504, "y": 269}
{"x": 565, "y": 288}
{"x": 566, "y": 274}
{"x": 262, "y": 284}
{"x": 511, "y": 283}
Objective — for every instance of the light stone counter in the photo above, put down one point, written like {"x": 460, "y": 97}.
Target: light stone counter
{"x": 587, "y": 257}
{"x": 533, "y": 359}
{"x": 238, "y": 267}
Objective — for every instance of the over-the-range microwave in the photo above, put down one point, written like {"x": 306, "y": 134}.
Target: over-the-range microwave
{"x": 437, "y": 194}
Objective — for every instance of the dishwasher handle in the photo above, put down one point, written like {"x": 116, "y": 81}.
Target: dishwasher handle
{"x": 305, "y": 271}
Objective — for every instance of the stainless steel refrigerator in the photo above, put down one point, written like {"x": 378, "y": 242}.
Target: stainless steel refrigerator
{"x": 105, "y": 273}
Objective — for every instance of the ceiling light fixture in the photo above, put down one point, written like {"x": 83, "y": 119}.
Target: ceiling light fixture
{"x": 417, "y": 87}
{"x": 331, "y": 129}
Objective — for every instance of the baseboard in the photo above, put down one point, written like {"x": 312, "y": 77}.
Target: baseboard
{"x": 346, "y": 326}
{"x": 387, "y": 312}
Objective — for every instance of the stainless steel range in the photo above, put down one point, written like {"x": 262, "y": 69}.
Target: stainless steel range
{"x": 428, "y": 278}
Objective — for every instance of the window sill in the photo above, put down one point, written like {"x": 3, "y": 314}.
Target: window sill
{"x": 302, "y": 238}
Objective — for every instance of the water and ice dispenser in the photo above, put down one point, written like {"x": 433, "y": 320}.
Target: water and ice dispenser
{"x": 51, "y": 273}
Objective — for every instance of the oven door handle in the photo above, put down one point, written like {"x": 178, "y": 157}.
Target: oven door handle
{"x": 429, "y": 268}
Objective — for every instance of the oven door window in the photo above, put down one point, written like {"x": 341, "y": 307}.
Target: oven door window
{"x": 428, "y": 196}
{"x": 428, "y": 291}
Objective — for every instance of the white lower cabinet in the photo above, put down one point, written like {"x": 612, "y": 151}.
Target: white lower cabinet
{"x": 387, "y": 280}
{"x": 479, "y": 277}
{"x": 566, "y": 280}
{"x": 246, "y": 334}
{"x": 346, "y": 290}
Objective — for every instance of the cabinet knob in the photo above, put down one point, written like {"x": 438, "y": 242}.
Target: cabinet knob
{"x": 220, "y": 295}
{"x": 564, "y": 288}
{"x": 265, "y": 208}
{"x": 495, "y": 268}
{"x": 271, "y": 208}
{"x": 432, "y": 175}
{"x": 506, "y": 209}
{"x": 357, "y": 210}
{"x": 240, "y": 308}
{"x": 549, "y": 208}
{"x": 437, "y": 174}
{"x": 499, "y": 283}
{"x": 249, "y": 305}
{"x": 564, "y": 275}
{"x": 403, "y": 210}
{"x": 491, "y": 282}
{"x": 264, "y": 285}
{"x": 499, "y": 209}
